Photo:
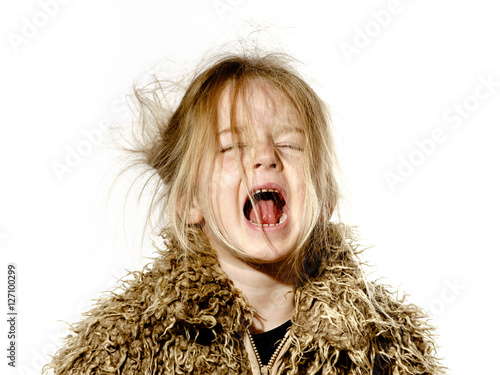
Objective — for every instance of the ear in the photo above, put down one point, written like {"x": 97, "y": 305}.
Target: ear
{"x": 192, "y": 214}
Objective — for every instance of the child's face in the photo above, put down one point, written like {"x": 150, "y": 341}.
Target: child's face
{"x": 271, "y": 142}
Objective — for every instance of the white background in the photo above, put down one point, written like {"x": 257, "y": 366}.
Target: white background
{"x": 65, "y": 69}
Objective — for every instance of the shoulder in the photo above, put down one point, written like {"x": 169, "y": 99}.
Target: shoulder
{"x": 401, "y": 335}
{"x": 102, "y": 340}
{"x": 364, "y": 322}
{"x": 112, "y": 334}
{"x": 172, "y": 309}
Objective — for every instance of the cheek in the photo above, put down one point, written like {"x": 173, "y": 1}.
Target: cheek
{"x": 298, "y": 178}
{"x": 294, "y": 159}
{"x": 226, "y": 180}
{"x": 224, "y": 186}
{"x": 300, "y": 192}
{"x": 227, "y": 172}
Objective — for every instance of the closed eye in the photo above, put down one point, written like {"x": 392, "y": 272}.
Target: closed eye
{"x": 290, "y": 146}
{"x": 231, "y": 147}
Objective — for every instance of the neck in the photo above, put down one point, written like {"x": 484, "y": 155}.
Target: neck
{"x": 271, "y": 296}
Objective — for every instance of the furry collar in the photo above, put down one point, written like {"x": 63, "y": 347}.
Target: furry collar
{"x": 183, "y": 315}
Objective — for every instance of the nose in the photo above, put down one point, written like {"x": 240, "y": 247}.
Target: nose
{"x": 265, "y": 156}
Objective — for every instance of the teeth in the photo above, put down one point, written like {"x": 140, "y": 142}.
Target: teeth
{"x": 265, "y": 191}
{"x": 281, "y": 221}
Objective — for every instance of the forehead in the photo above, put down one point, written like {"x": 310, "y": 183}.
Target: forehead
{"x": 258, "y": 103}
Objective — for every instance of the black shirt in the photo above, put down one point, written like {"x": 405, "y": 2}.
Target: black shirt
{"x": 267, "y": 342}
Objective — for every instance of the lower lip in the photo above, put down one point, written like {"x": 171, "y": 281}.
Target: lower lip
{"x": 272, "y": 228}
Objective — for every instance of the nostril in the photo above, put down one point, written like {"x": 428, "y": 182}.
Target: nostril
{"x": 271, "y": 165}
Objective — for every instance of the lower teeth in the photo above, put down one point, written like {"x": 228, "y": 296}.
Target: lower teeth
{"x": 280, "y": 221}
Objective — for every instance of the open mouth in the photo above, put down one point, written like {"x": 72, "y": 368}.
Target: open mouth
{"x": 268, "y": 208}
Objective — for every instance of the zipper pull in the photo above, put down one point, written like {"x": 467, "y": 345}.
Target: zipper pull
{"x": 264, "y": 370}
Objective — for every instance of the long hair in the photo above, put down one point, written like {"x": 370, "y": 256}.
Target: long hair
{"x": 179, "y": 139}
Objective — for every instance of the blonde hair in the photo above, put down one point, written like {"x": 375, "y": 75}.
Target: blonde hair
{"x": 176, "y": 141}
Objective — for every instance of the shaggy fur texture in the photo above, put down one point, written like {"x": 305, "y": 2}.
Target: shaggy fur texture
{"x": 182, "y": 315}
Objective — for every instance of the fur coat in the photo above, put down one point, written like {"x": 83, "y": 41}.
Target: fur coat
{"x": 182, "y": 315}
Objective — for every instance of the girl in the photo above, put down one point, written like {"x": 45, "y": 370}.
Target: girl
{"x": 253, "y": 277}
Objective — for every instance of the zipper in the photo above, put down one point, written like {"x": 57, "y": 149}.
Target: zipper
{"x": 266, "y": 369}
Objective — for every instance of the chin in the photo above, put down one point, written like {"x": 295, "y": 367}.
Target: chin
{"x": 267, "y": 255}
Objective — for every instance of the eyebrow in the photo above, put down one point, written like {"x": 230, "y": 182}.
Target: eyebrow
{"x": 283, "y": 129}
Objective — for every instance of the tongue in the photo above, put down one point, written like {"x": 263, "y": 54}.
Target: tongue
{"x": 269, "y": 213}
